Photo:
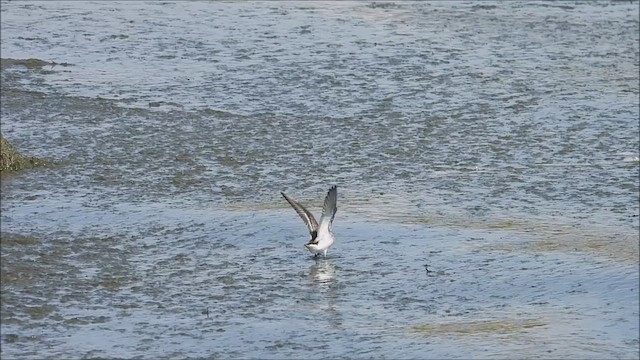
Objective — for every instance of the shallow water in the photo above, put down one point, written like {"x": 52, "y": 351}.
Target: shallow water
{"x": 494, "y": 143}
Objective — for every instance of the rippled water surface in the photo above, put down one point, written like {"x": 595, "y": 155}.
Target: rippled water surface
{"x": 486, "y": 156}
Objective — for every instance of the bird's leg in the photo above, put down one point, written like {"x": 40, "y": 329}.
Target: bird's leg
{"x": 325, "y": 253}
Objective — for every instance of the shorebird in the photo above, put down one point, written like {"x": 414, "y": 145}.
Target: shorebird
{"x": 321, "y": 234}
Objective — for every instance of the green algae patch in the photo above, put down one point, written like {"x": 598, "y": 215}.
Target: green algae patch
{"x": 616, "y": 247}
{"x": 31, "y": 64}
{"x": 10, "y": 239}
{"x": 39, "y": 312}
{"x": 478, "y": 327}
{"x": 12, "y": 160}
{"x": 87, "y": 320}
{"x": 543, "y": 235}
{"x": 113, "y": 284}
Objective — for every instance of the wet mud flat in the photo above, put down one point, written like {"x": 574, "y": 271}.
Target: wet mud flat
{"x": 486, "y": 156}
{"x": 159, "y": 282}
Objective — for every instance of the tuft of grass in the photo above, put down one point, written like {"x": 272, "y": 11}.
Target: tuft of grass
{"x": 12, "y": 160}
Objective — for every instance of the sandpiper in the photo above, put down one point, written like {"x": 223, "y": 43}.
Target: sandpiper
{"x": 321, "y": 235}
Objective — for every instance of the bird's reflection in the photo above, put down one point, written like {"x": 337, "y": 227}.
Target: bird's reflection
{"x": 323, "y": 272}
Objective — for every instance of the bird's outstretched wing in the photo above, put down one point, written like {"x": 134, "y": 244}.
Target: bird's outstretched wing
{"x": 330, "y": 207}
{"x": 305, "y": 215}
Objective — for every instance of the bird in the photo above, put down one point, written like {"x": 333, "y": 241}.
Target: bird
{"x": 321, "y": 234}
